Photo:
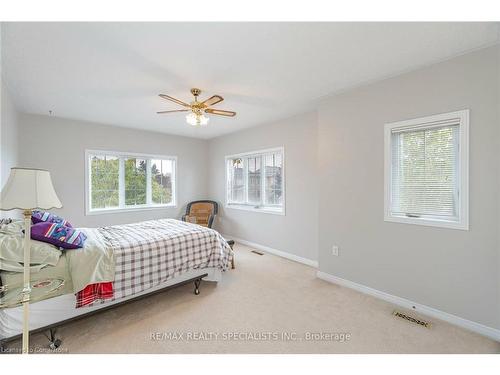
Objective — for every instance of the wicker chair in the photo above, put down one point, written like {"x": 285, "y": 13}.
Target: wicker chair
{"x": 201, "y": 212}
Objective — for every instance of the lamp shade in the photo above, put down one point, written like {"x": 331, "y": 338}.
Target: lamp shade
{"x": 29, "y": 189}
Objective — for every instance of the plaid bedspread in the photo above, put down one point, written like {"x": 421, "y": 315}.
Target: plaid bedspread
{"x": 151, "y": 252}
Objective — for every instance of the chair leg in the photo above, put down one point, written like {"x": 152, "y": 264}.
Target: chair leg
{"x": 232, "y": 263}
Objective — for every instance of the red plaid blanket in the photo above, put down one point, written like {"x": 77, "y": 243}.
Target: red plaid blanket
{"x": 94, "y": 292}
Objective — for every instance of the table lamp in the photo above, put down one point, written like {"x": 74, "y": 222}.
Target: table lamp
{"x": 28, "y": 189}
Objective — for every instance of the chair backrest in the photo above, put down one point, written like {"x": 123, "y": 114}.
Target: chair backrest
{"x": 203, "y": 211}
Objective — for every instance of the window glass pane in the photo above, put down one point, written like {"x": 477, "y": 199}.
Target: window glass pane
{"x": 236, "y": 180}
{"x": 254, "y": 179}
{"x": 274, "y": 179}
{"x": 135, "y": 181}
{"x": 161, "y": 181}
{"x": 424, "y": 172}
{"x": 104, "y": 176}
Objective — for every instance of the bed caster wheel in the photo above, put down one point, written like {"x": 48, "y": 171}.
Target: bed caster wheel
{"x": 197, "y": 286}
{"x": 55, "y": 344}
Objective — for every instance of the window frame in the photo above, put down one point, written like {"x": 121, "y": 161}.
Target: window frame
{"x": 249, "y": 207}
{"x": 462, "y": 169}
{"x": 121, "y": 155}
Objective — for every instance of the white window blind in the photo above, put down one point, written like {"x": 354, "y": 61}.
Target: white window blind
{"x": 424, "y": 172}
{"x": 427, "y": 169}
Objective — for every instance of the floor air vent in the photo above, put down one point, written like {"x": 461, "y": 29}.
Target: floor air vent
{"x": 257, "y": 252}
{"x": 411, "y": 319}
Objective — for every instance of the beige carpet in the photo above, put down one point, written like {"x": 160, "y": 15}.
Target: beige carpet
{"x": 262, "y": 298}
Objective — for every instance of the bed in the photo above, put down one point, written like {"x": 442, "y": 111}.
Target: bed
{"x": 138, "y": 259}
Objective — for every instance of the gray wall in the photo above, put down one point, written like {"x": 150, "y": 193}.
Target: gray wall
{"x": 296, "y": 232}
{"x": 8, "y": 143}
{"x": 451, "y": 270}
{"x": 498, "y": 156}
{"x": 8, "y": 135}
{"x": 59, "y": 145}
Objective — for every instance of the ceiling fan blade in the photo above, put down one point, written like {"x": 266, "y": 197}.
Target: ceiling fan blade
{"x": 177, "y": 110}
{"x": 177, "y": 101}
{"x": 220, "y": 112}
{"x": 213, "y": 100}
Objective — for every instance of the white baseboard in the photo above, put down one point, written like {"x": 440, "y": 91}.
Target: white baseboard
{"x": 270, "y": 250}
{"x": 481, "y": 329}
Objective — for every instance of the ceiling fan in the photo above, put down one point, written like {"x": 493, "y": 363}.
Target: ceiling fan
{"x": 196, "y": 109}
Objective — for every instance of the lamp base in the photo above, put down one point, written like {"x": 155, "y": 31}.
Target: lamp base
{"x": 27, "y": 287}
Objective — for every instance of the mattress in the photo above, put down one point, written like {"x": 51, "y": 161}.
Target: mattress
{"x": 58, "y": 309}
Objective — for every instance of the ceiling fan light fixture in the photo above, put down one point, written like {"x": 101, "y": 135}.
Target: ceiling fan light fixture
{"x": 196, "y": 109}
{"x": 195, "y": 119}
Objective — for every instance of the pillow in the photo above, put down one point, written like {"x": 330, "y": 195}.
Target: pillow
{"x": 41, "y": 216}
{"x": 12, "y": 249}
{"x": 58, "y": 235}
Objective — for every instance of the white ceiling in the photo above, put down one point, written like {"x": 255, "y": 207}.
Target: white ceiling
{"x": 112, "y": 72}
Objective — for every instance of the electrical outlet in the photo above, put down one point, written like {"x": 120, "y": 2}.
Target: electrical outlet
{"x": 335, "y": 250}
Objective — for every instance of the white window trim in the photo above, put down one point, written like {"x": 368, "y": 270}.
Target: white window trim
{"x": 462, "y": 170}
{"x": 244, "y": 207}
{"x": 146, "y": 207}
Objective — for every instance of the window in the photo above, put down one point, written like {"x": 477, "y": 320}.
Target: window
{"x": 255, "y": 181}
{"x": 122, "y": 181}
{"x": 426, "y": 171}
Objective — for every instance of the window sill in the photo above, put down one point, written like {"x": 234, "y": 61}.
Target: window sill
{"x": 128, "y": 209}
{"x": 427, "y": 222}
{"x": 264, "y": 210}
